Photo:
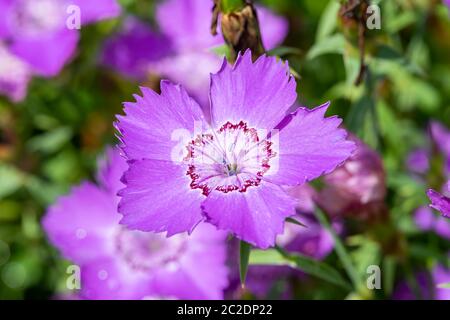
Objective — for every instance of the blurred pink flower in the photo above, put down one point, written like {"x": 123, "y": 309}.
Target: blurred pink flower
{"x": 357, "y": 187}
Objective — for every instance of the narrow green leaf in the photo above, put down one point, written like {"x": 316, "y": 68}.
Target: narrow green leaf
{"x": 306, "y": 264}
{"x": 244, "y": 255}
{"x": 341, "y": 252}
{"x": 284, "y": 51}
{"x": 11, "y": 179}
{"x": 389, "y": 265}
{"x": 328, "y": 20}
{"x": 292, "y": 220}
{"x": 332, "y": 44}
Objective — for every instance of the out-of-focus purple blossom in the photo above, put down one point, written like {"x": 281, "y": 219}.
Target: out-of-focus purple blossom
{"x": 40, "y": 32}
{"x": 357, "y": 187}
{"x": 232, "y": 173}
{"x": 427, "y": 220}
{"x": 182, "y": 49}
{"x": 441, "y": 137}
{"x": 117, "y": 263}
{"x": 418, "y": 161}
{"x": 428, "y": 286}
{"x": 14, "y": 75}
{"x": 440, "y": 201}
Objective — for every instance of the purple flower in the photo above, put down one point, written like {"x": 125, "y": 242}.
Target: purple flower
{"x": 117, "y": 263}
{"x": 37, "y": 31}
{"x": 439, "y": 201}
{"x": 358, "y": 187}
{"x": 441, "y": 137}
{"x": 427, "y": 220}
{"x": 418, "y": 161}
{"x": 181, "y": 51}
{"x": 428, "y": 286}
{"x": 14, "y": 75}
{"x": 231, "y": 172}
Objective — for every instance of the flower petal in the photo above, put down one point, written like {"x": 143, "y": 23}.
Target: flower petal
{"x": 92, "y": 11}
{"x": 193, "y": 70}
{"x": 5, "y": 7}
{"x": 202, "y": 272}
{"x": 47, "y": 55}
{"x": 274, "y": 28}
{"x": 106, "y": 279}
{"x": 259, "y": 93}
{"x": 308, "y": 145}
{"x": 158, "y": 198}
{"x": 155, "y": 125}
{"x": 187, "y": 23}
{"x": 255, "y": 216}
{"x": 15, "y": 75}
{"x": 78, "y": 224}
{"x": 439, "y": 202}
{"x": 134, "y": 48}
{"x": 111, "y": 168}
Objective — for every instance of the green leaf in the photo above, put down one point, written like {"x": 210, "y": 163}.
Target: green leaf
{"x": 292, "y": 220}
{"x": 244, "y": 255}
{"x": 306, "y": 264}
{"x": 389, "y": 265}
{"x": 222, "y": 51}
{"x": 328, "y": 20}
{"x": 228, "y": 6}
{"x": 284, "y": 51}
{"x": 332, "y": 44}
{"x": 50, "y": 141}
{"x": 341, "y": 252}
{"x": 11, "y": 179}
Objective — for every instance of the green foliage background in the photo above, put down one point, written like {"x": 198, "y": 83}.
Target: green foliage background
{"x": 51, "y": 141}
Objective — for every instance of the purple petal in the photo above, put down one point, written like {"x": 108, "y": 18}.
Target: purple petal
{"x": 14, "y": 75}
{"x": 131, "y": 51}
{"x": 442, "y": 227}
{"x": 47, "y": 55}
{"x": 425, "y": 218}
{"x": 158, "y": 198}
{"x": 255, "y": 216}
{"x": 78, "y": 224}
{"x": 201, "y": 272}
{"x": 111, "y": 168}
{"x": 418, "y": 161}
{"x": 309, "y": 145}
{"x": 441, "y": 137}
{"x": 187, "y": 23}
{"x": 5, "y": 7}
{"x": 106, "y": 279}
{"x": 259, "y": 93}
{"x": 313, "y": 241}
{"x": 92, "y": 11}
{"x": 441, "y": 275}
{"x": 274, "y": 28}
{"x": 193, "y": 70}
{"x": 154, "y": 125}
{"x": 439, "y": 202}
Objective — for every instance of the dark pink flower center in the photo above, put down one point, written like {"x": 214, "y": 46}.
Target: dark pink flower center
{"x": 232, "y": 158}
{"x": 144, "y": 251}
